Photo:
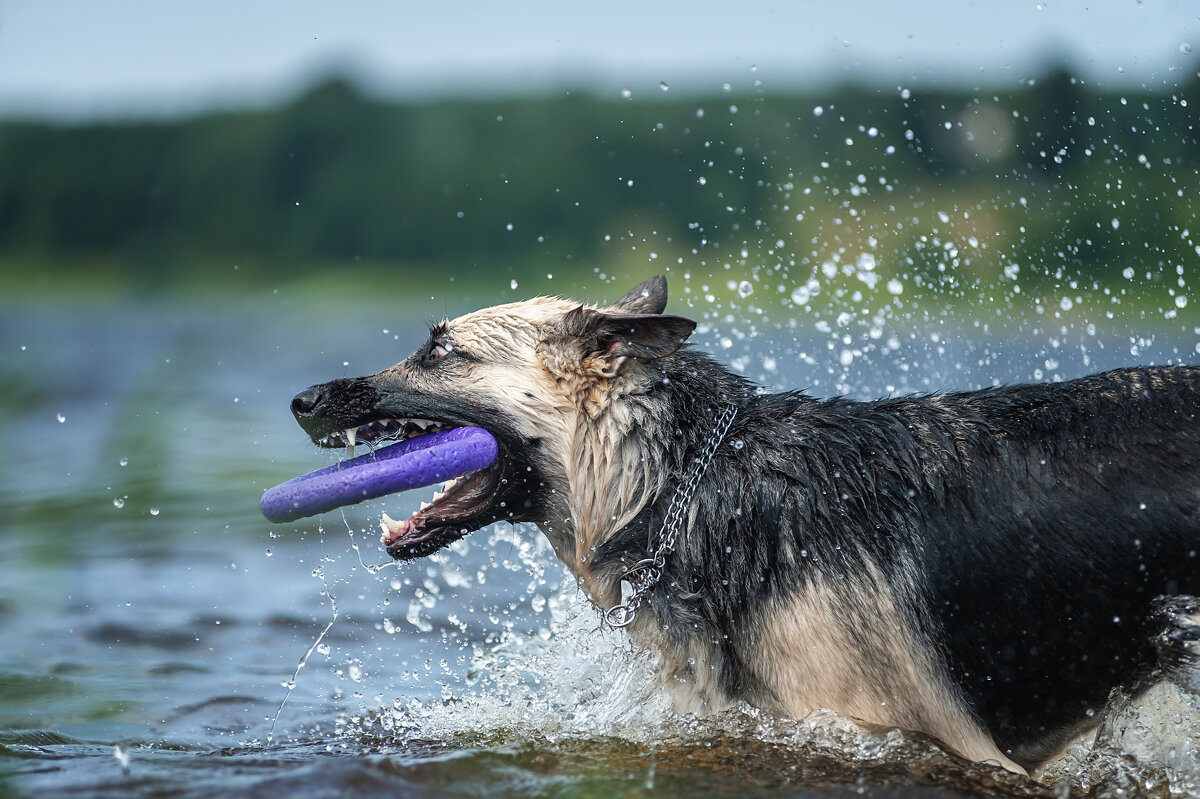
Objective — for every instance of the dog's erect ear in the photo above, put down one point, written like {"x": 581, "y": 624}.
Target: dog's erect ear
{"x": 649, "y": 296}
{"x": 610, "y": 338}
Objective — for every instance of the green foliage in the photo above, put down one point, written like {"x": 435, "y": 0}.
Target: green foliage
{"x": 336, "y": 179}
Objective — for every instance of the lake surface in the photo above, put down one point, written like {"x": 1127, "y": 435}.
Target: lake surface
{"x": 154, "y": 623}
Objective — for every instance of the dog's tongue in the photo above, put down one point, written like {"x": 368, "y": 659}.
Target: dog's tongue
{"x": 412, "y": 463}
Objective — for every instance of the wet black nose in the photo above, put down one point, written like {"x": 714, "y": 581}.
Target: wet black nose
{"x": 304, "y": 403}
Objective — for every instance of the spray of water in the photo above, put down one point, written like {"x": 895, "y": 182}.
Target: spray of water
{"x": 290, "y": 684}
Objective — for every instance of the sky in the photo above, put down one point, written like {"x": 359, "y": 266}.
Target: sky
{"x": 113, "y": 58}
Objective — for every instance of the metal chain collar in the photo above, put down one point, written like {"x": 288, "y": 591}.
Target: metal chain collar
{"x": 646, "y": 573}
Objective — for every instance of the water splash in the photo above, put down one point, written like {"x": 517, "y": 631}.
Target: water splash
{"x": 570, "y": 685}
{"x": 1144, "y": 745}
{"x": 575, "y": 678}
{"x": 290, "y": 685}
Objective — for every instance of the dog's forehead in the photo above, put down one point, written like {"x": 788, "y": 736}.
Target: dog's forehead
{"x": 509, "y": 323}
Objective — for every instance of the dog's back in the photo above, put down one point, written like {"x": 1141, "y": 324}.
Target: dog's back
{"x": 1074, "y": 507}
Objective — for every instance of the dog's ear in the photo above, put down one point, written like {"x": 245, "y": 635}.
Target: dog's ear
{"x": 610, "y": 338}
{"x": 647, "y": 297}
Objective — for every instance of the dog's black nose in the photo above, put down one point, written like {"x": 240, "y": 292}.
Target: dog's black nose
{"x": 304, "y": 403}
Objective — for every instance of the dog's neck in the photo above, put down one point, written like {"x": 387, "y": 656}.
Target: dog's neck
{"x": 620, "y": 461}
{"x": 613, "y": 471}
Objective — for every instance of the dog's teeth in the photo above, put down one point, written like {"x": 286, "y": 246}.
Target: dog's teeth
{"x": 351, "y": 433}
{"x": 389, "y": 526}
{"x": 422, "y": 423}
{"x": 393, "y": 530}
{"x": 425, "y": 505}
{"x": 449, "y": 484}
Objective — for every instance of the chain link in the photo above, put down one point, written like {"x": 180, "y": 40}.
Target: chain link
{"x": 646, "y": 573}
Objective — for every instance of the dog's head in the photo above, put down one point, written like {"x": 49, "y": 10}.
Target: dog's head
{"x": 538, "y": 375}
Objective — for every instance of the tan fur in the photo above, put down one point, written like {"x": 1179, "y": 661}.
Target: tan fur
{"x": 843, "y": 648}
{"x": 566, "y": 398}
{"x": 847, "y": 648}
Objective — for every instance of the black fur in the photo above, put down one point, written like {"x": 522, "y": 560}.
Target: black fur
{"x": 1039, "y": 522}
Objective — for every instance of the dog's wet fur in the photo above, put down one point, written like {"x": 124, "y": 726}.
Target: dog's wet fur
{"x": 983, "y": 567}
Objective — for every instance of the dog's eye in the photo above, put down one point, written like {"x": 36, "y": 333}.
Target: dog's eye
{"x": 439, "y": 351}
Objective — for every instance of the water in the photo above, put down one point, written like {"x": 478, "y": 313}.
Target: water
{"x": 153, "y": 621}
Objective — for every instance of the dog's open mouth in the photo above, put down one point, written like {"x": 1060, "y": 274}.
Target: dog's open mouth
{"x": 462, "y": 504}
{"x": 379, "y": 431}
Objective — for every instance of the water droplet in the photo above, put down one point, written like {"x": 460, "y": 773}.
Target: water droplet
{"x": 118, "y": 503}
{"x": 1116, "y": 223}
{"x": 895, "y": 287}
{"x": 1185, "y": 48}
{"x": 818, "y": 111}
{"x": 1127, "y": 272}
{"x": 800, "y": 295}
{"x": 626, "y": 94}
{"x": 737, "y": 443}
{"x": 154, "y": 511}
{"x": 61, "y": 418}
{"x": 745, "y": 288}
{"x": 509, "y": 227}
{"x": 124, "y": 461}
{"x": 1065, "y": 303}
{"x": 1181, "y": 301}
{"x": 512, "y": 284}
{"x": 662, "y": 85}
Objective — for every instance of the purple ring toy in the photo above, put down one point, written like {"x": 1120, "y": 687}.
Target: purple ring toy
{"x": 411, "y": 463}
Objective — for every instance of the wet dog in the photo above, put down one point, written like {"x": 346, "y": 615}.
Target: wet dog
{"x": 982, "y": 567}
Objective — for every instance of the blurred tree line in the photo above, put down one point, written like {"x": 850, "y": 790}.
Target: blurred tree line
{"x": 1058, "y": 174}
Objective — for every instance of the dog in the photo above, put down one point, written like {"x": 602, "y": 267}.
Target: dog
{"x": 981, "y": 567}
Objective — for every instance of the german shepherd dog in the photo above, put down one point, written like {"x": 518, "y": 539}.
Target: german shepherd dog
{"x": 982, "y": 567}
